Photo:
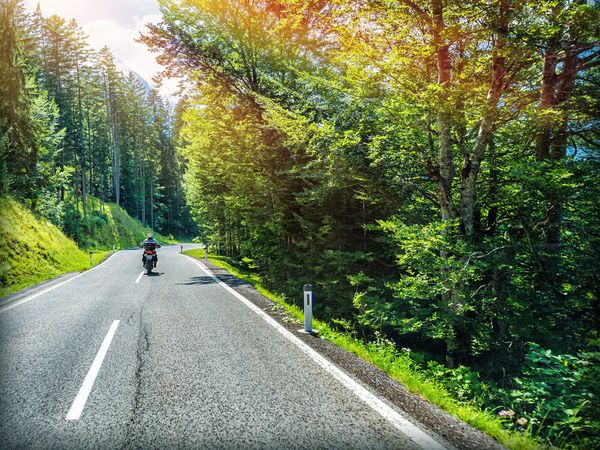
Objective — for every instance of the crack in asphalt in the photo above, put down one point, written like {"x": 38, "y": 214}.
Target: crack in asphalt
{"x": 143, "y": 347}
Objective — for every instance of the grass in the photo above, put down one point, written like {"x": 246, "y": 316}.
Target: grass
{"x": 34, "y": 250}
{"x": 396, "y": 364}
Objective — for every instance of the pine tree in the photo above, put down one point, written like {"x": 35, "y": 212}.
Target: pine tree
{"x": 111, "y": 80}
{"x": 17, "y": 135}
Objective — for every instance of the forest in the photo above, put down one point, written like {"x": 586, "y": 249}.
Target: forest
{"x": 76, "y": 126}
{"x": 432, "y": 167}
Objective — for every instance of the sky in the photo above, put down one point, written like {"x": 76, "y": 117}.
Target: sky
{"x": 115, "y": 23}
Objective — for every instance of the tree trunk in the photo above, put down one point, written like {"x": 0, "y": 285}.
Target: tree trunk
{"x": 117, "y": 160}
{"x": 151, "y": 203}
{"x": 551, "y": 142}
{"x": 492, "y": 215}
{"x": 445, "y": 172}
{"x": 446, "y": 155}
{"x": 472, "y": 161}
{"x": 143, "y": 185}
{"x": 81, "y": 141}
{"x": 112, "y": 119}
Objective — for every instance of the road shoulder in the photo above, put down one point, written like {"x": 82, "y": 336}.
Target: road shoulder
{"x": 34, "y": 288}
{"x": 48, "y": 284}
{"x": 448, "y": 427}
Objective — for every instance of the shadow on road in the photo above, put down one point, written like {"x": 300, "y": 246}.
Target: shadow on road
{"x": 229, "y": 280}
{"x": 154, "y": 274}
{"x": 197, "y": 280}
{"x": 232, "y": 281}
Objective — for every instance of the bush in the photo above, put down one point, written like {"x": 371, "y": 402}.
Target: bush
{"x": 463, "y": 383}
{"x": 559, "y": 396}
{"x": 51, "y": 209}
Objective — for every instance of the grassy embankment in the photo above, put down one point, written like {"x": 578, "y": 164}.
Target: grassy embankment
{"x": 34, "y": 250}
{"x": 105, "y": 225}
{"x": 396, "y": 364}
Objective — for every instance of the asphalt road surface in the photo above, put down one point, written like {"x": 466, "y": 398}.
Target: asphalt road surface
{"x": 118, "y": 359}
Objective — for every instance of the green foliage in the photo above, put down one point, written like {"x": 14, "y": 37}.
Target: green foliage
{"x": 463, "y": 382}
{"x": 104, "y": 225}
{"x": 556, "y": 395}
{"x": 427, "y": 303}
{"x": 561, "y": 394}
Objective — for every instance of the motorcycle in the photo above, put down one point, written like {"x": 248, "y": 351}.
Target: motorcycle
{"x": 149, "y": 255}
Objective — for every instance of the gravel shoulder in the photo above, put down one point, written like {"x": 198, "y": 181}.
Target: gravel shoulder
{"x": 458, "y": 433}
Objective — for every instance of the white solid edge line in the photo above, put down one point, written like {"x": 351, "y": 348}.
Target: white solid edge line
{"x": 88, "y": 382}
{"x": 31, "y": 297}
{"x": 139, "y": 278}
{"x": 413, "y": 432}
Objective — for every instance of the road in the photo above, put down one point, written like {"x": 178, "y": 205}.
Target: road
{"x": 116, "y": 359}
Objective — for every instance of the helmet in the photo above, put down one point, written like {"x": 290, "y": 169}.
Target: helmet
{"x": 150, "y": 236}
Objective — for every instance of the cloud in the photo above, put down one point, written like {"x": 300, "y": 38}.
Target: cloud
{"x": 122, "y": 42}
{"x": 84, "y": 11}
{"x": 115, "y": 24}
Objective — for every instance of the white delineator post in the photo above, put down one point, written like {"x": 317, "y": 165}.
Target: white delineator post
{"x": 308, "y": 304}
{"x": 90, "y": 258}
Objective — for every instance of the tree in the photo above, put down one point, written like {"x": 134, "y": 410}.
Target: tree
{"x": 570, "y": 48}
{"x": 111, "y": 80}
{"x": 20, "y": 148}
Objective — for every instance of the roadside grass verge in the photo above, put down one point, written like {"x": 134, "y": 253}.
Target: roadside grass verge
{"x": 33, "y": 250}
{"x": 397, "y": 364}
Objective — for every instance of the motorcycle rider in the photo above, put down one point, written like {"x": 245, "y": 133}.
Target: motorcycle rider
{"x": 148, "y": 243}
